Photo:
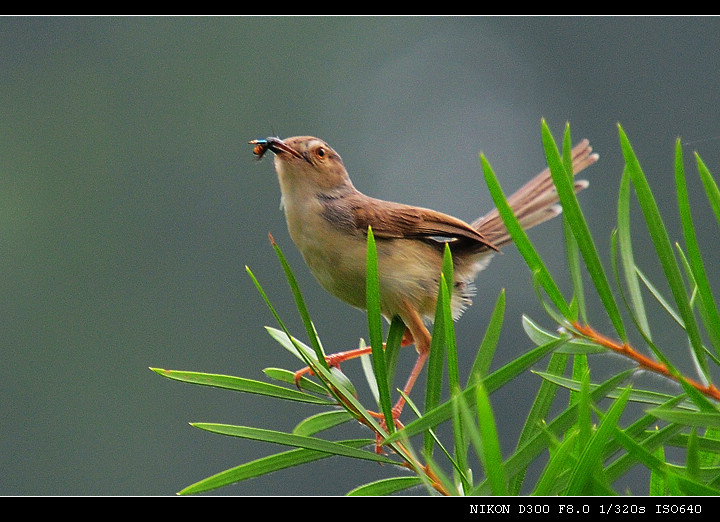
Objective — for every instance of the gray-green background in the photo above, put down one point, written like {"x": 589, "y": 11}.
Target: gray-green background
{"x": 130, "y": 205}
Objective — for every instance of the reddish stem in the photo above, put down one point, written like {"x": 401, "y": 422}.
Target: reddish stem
{"x": 643, "y": 361}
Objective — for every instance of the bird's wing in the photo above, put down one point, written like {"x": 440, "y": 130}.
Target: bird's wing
{"x": 396, "y": 221}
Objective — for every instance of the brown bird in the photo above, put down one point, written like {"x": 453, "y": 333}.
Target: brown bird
{"x": 328, "y": 220}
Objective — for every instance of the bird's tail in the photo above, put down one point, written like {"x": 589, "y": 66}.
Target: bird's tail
{"x": 536, "y": 201}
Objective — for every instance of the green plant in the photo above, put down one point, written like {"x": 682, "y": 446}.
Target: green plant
{"x": 585, "y": 447}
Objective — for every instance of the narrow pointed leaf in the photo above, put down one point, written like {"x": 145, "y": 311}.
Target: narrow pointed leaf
{"x": 707, "y": 306}
{"x": 321, "y": 421}
{"x": 288, "y": 439}
{"x": 658, "y": 479}
{"x": 626, "y": 255}
{"x": 392, "y": 347}
{"x": 560, "y": 459}
{"x": 263, "y": 466}
{"x": 664, "y": 249}
{"x": 300, "y": 303}
{"x": 491, "y": 454}
{"x": 433, "y": 388}
{"x": 580, "y": 229}
{"x": 540, "y": 336}
{"x": 484, "y": 357}
{"x": 639, "y": 396}
{"x": 375, "y": 329}
{"x": 286, "y": 376}
{"x": 386, "y": 486}
{"x": 688, "y": 418}
{"x": 711, "y": 188}
{"x": 572, "y": 251}
{"x": 450, "y": 341}
{"x": 539, "y": 412}
{"x": 229, "y": 382}
{"x": 522, "y": 241}
{"x": 593, "y": 452}
{"x": 692, "y": 463}
{"x": 307, "y": 355}
{"x": 310, "y": 361}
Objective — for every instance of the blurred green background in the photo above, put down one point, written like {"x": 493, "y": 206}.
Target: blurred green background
{"x": 130, "y": 204}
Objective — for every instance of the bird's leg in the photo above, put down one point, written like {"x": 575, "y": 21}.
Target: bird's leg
{"x": 335, "y": 359}
{"x": 416, "y": 333}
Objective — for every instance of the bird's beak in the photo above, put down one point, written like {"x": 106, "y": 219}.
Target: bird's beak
{"x": 276, "y": 145}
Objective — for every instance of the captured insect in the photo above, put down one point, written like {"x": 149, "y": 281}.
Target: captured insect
{"x": 261, "y": 147}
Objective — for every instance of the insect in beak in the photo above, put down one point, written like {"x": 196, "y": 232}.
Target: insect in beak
{"x": 276, "y": 145}
{"x": 261, "y": 147}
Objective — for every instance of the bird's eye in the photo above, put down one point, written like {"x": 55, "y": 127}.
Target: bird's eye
{"x": 320, "y": 152}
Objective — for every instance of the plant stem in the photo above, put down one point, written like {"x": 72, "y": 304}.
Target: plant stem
{"x": 644, "y": 362}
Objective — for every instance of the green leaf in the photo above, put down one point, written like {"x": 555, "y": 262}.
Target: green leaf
{"x": 386, "y": 486}
{"x": 692, "y": 462}
{"x": 664, "y": 249}
{"x": 640, "y": 396}
{"x": 341, "y": 389}
{"x": 688, "y": 418}
{"x": 521, "y": 240}
{"x": 539, "y": 411}
{"x": 658, "y": 479}
{"x": 288, "y": 439}
{"x": 560, "y": 461}
{"x": 626, "y": 255}
{"x": 335, "y": 387}
{"x": 677, "y": 483}
{"x": 481, "y": 365}
{"x": 581, "y": 231}
{"x": 434, "y": 436}
{"x": 393, "y": 345}
{"x": 449, "y": 280}
{"x": 580, "y": 371}
{"x": 591, "y": 458}
{"x": 433, "y": 389}
{"x": 582, "y": 399}
{"x": 649, "y": 439}
{"x": 572, "y": 251}
{"x": 462, "y": 425}
{"x": 709, "y": 311}
{"x": 540, "y": 336}
{"x": 711, "y": 188}
{"x": 282, "y": 375}
{"x": 710, "y": 458}
{"x": 691, "y": 487}
{"x": 239, "y": 384}
{"x": 263, "y": 466}
{"x": 310, "y": 361}
{"x": 489, "y": 446}
{"x": 660, "y": 299}
{"x": 300, "y": 303}
{"x": 708, "y": 447}
{"x": 644, "y": 453}
{"x": 321, "y": 421}
{"x": 374, "y": 316}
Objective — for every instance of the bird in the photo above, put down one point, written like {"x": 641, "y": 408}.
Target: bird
{"x": 328, "y": 220}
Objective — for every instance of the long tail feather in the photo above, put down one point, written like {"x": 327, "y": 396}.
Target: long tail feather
{"x": 536, "y": 201}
